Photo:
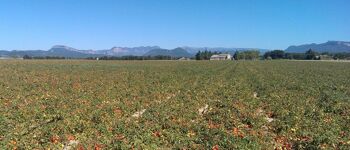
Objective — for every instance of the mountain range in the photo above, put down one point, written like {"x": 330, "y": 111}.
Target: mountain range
{"x": 122, "y": 51}
{"x": 330, "y": 46}
{"x": 65, "y": 51}
{"x": 69, "y": 52}
{"x": 185, "y": 51}
{"x": 177, "y": 52}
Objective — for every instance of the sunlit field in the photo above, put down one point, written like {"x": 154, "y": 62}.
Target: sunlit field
{"x": 174, "y": 104}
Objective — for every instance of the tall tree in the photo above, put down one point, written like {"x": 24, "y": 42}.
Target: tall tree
{"x": 275, "y": 54}
{"x": 310, "y": 54}
{"x": 198, "y": 55}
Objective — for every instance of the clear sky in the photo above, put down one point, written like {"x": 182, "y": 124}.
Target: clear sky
{"x": 102, "y": 24}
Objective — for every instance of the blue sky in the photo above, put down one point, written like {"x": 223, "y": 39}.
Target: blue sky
{"x": 102, "y": 24}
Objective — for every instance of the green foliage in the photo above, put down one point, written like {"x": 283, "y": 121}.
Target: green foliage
{"x": 311, "y": 55}
{"x": 205, "y": 55}
{"x": 275, "y": 54}
{"x": 340, "y": 55}
{"x": 296, "y": 56}
{"x": 250, "y": 104}
{"x": 42, "y": 57}
{"x": 308, "y": 55}
{"x": 246, "y": 55}
{"x": 157, "y": 57}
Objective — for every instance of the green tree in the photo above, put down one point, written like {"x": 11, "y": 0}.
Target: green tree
{"x": 297, "y": 56}
{"x": 205, "y": 55}
{"x": 310, "y": 55}
{"x": 235, "y": 56}
{"x": 246, "y": 55}
{"x": 27, "y": 57}
{"x": 198, "y": 55}
{"x": 275, "y": 54}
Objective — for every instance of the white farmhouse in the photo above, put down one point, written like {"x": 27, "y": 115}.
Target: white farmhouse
{"x": 221, "y": 57}
{"x": 184, "y": 58}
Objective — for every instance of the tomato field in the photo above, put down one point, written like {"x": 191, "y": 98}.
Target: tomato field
{"x": 68, "y": 104}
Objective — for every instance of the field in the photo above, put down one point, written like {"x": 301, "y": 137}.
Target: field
{"x": 174, "y": 104}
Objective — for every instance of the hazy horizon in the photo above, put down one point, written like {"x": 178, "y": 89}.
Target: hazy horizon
{"x": 162, "y": 47}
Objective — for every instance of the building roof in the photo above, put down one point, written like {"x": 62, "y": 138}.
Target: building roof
{"x": 218, "y": 56}
{"x": 184, "y": 58}
{"x": 221, "y": 56}
{"x": 224, "y": 54}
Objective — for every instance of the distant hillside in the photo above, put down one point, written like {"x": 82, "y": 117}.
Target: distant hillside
{"x": 177, "y": 52}
{"x": 58, "y": 50}
{"x": 122, "y": 51}
{"x": 69, "y": 52}
{"x": 65, "y": 51}
{"x": 20, "y": 53}
{"x": 330, "y": 46}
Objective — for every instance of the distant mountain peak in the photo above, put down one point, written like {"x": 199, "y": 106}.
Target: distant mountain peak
{"x": 329, "y": 46}
{"x": 63, "y": 47}
{"x": 135, "y": 47}
{"x": 338, "y": 43}
{"x": 123, "y": 51}
{"x": 59, "y": 46}
{"x": 118, "y": 49}
{"x": 177, "y": 52}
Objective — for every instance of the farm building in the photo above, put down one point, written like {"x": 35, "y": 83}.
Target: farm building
{"x": 325, "y": 57}
{"x": 221, "y": 57}
{"x": 184, "y": 58}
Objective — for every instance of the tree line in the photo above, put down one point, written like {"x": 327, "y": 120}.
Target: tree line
{"x": 43, "y": 57}
{"x": 238, "y": 55}
{"x": 158, "y": 57}
{"x": 246, "y": 55}
{"x": 308, "y": 55}
{"x": 275, "y": 54}
{"x": 205, "y": 55}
